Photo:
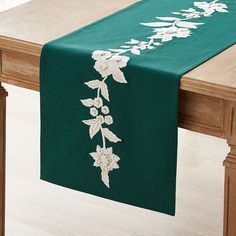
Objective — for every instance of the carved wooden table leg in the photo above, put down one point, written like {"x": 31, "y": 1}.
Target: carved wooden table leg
{"x": 3, "y": 95}
{"x": 230, "y": 175}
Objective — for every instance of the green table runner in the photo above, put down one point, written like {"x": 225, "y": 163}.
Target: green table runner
{"x": 109, "y": 97}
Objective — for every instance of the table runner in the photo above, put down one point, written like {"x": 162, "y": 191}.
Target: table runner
{"x": 109, "y": 98}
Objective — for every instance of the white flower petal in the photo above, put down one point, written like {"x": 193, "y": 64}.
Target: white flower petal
{"x": 116, "y": 166}
{"x": 93, "y": 155}
{"x": 96, "y": 164}
{"x": 109, "y": 150}
{"x": 98, "y": 149}
{"x": 116, "y": 158}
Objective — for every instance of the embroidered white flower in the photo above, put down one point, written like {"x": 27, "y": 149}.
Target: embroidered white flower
{"x": 111, "y": 66}
{"x": 167, "y": 34}
{"x": 98, "y": 102}
{"x": 105, "y": 110}
{"x": 116, "y": 62}
{"x": 108, "y": 120}
{"x": 100, "y": 119}
{"x": 110, "y": 62}
{"x": 210, "y": 8}
{"x": 106, "y": 160}
{"x": 102, "y": 67}
{"x": 93, "y": 111}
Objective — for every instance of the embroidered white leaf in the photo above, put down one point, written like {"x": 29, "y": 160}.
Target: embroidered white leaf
{"x": 89, "y": 122}
{"x": 125, "y": 46}
{"x": 105, "y": 178}
{"x": 189, "y": 10}
{"x": 186, "y": 24}
{"x": 93, "y": 129}
{"x": 87, "y": 102}
{"x": 156, "y": 43}
{"x": 151, "y": 47}
{"x": 118, "y": 76}
{"x": 93, "y": 84}
{"x": 104, "y": 91}
{"x": 118, "y": 50}
{"x": 209, "y": 12}
{"x": 221, "y": 10}
{"x": 168, "y": 18}
{"x": 157, "y": 24}
{"x": 176, "y": 13}
{"x": 133, "y": 41}
{"x": 110, "y": 135}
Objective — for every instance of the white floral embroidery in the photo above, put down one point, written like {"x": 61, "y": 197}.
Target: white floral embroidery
{"x": 210, "y": 8}
{"x": 109, "y": 63}
{"x": 106, "y": 160}
{"x": 167, "y": 34}
{"x": 93, "y": 111}
{"x": 108, "y": 120}
{"x": 105, "y": 110}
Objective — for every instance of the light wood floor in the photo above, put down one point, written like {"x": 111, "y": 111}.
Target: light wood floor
{"x": 36, "y": 208}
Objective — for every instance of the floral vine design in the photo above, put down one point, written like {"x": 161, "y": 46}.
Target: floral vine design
{"x": 109, "y": 63}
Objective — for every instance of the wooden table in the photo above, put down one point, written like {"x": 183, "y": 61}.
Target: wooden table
{"x": 207, "y": 93}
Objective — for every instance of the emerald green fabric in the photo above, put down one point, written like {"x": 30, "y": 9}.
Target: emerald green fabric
{"x": 144, "y": 110}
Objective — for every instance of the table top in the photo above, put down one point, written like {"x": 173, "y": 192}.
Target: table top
{"x": 40, "y": 21}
